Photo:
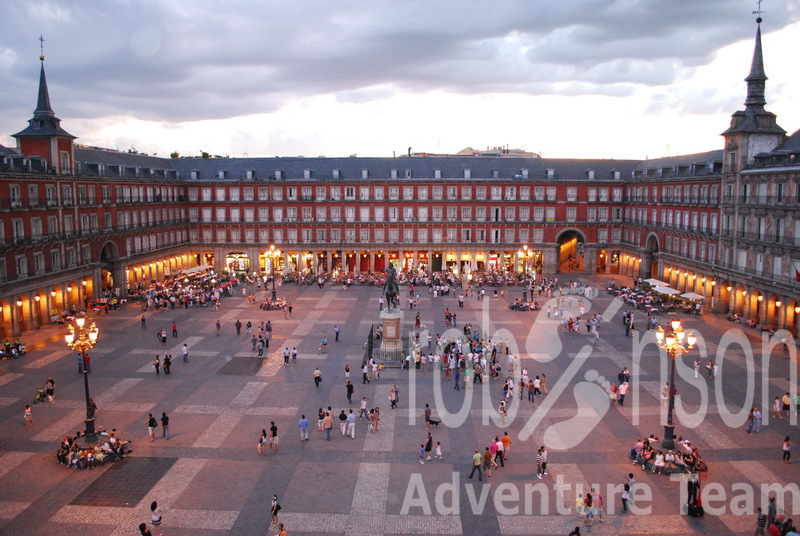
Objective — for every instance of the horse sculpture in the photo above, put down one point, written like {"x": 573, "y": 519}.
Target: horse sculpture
{"x": 391, "y": 288}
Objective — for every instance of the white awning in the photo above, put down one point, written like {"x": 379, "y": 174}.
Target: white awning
{"x": 197, "y": 269}
{"x": 653, "y": 282}
{"x": 666, "y": 290}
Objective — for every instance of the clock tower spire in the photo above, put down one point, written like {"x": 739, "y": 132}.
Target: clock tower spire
{"x": 753, "y": 130}
{"x": 44, "y": 136}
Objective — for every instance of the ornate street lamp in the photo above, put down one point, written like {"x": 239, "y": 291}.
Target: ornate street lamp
{"x": 676, "y": 343}
{"x": 273, "y": 254}
{"x": 82, "y": 340}
{"x": 526, "y": 256}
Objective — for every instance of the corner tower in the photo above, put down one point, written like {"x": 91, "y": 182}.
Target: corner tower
{"x": 753, "y": 130}
{"x": 44, "y": 136}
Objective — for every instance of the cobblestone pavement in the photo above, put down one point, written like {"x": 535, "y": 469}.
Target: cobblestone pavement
{"x": 209, "y": 480}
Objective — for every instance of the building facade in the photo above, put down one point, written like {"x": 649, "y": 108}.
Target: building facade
{"x": 78, "y": 221}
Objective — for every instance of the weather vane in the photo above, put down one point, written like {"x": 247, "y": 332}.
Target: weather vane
{"x": 758, "y": 11}
{"x": 41, "y": 46}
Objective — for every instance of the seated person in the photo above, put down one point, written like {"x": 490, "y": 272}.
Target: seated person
{"x": 90, "y": 460}
{"x": 108, "y": 451}
{"x": 659, "y": 463}
{"x": 751, "y": 323}
{"x": 63, "y": 453}
{"x": 669, "y": 461}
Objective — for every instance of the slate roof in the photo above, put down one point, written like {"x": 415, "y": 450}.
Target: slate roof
{"x": 449, "y": 167}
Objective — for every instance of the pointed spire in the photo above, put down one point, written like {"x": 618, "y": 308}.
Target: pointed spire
{"x": 756, "y": 80}
{"x": 43, "y": 104}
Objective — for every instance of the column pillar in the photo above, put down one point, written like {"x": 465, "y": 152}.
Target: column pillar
{"x": 16, "y": 328}
{"x": 33, "y": 311}
{"x": 590, "y": 259}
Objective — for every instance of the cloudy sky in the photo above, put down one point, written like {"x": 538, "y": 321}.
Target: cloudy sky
{"x": 567, "y": 78}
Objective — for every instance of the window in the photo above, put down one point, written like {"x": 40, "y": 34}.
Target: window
{"x": 306, "y": 213}
{"x": 551, "y": 193}
{"x": 480, "y": 213}
{"x": 364, "y": 235}
{"x": 510, "y": 213}
{"x": 408, "y": 235}
{"x": 511, "y": 193}
{"x": 466, "y": 193}
{"x": 263, "y": 213}
{"x": 349, "y": 193}
{"x": 394, "y": 236}
{"x": 422, "y": 214}
{"x": 524, "y": 214}
{"x": 321, "y": 194}
{"x": 363, "y": 193}
{"x": 408, "y": 193}
{"x": 466, "y": 235}
{"x": 538, "y": 213}
{"x": 336, "y": 214}
{"x": 572, "y": 213}
{"x": 466, "y": 213}
{"x": 21, "y": 262}
{"x": 408, "y": 213}
{"x": 221, "y": 214}
{"x": 437, "y": 192}
{"x": 394, "y": 193}
{"x": 55, "y": 261}
{"x": 277, "y": 214}
{"x": 422, "y": 193}
{"x": 525, "y": 193}
{"x": 496, "y": 193}
{"x": 591, "y": 195}
{"x": 378, "y": 193}
{"x": 220, "y": 194}
{"x": 336, "y": 193}
{"x": 322, "y": 213}
{"x": 538, "y": 193}
{"x": 437, "y": 213}
{"x": 291, "y": 193}
{"x": 480, "y": 192}
{"x": 422, "y": 235}
{"x": 18, "y": 230}
{"x": 572, "y": 194}
{"x": 263, "y": 193}
{"x": 305, "y": 193}
{"x": 235, "y": 194}
{"x": 550, "y": 214}
{"x": 349, "y": 214}
{"x": 248, "y": 194}
{"x": 249, "y": 214}
{"x": 277, "y": 193}
{"x": 379, "y": 214}
{"x": 363, "y": 214}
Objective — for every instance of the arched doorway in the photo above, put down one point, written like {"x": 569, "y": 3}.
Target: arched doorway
{"x": 108, "y": 256}
{"x": 651, "y": 268}
{"x": 570, "y": 251}
{"x": 237, "y": 262}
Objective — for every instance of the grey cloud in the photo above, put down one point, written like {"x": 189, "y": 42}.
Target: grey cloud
{"x": 202, "y": 59}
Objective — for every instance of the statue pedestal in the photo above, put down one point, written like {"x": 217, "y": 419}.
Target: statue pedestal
{"x": 391, "y": 350}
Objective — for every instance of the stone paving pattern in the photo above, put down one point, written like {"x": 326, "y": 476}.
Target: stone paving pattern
{"x": 209, "y": 479}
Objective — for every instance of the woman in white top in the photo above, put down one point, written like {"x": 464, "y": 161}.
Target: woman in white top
{"x": 659, "y": 463}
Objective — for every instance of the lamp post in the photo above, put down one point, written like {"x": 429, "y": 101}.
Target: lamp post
{"x": 82, "y": 340}
{"x": 273, "y": 254}
{"x": 526, "y": 255}
{"x": 676, "y": 343}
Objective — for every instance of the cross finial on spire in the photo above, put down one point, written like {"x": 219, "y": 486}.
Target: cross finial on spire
{"x": 758, "y": 11}
{"x": 41, "y": 46}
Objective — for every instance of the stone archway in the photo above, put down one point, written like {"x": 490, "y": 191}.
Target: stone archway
{"x": 650, "y": 266}
{"x": 571, "y": 243}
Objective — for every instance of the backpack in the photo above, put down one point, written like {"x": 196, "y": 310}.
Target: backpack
{"x": 588, "y": 500}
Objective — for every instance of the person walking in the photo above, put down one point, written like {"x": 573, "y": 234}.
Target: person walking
{"x": 151, "y": 426}
{"x": 303, "y": 426}
{"x": 185, "y": 353}
{"x": 787, "y": 451}
{"x": 274, "y": 509}
{"x": 286, "y": 354}
{"x": 350, "y": 389}
{"x": 144, "y": 322}
{"x": 336, "y": 331}
{"x": 362, "y": 407}
{"x": 174, "y": 329}
{"x": 457, "y": 377}
{"x": 428, "y": 447}
{"x": 365, "y": 373}
{"x": 219, "y": 327}
{"x": 155, "y": 514}
{"x": 294, "y": 355}
{"x": 477, "y": 459}
{"x": 625, "y": 491}
{"x": 623, "y": 390}
{"x": 317, "y": 377}
{"x": 238, "y": 325}
{"x": 28, "y": 416}
{"x": 327, "y": 424}
{"x": 761, "y": 523}
{"x": 164, "y": 425}
{"x": 273, "y": 435}
{"x": 262, "y": 442}
{"x": 393, "y": 399}
{"x": 167, "y": 364}
{"x": 343, "y": 423}
{"x": 157, "y": 364}
{"x": 351, "y": 424}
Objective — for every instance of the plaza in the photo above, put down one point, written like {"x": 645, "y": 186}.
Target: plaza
{"x": 208, "y": 478}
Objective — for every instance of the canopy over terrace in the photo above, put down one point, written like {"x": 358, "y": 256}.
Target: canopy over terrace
{"x": 692, "y": 296}
{"x": 198, "y": 269}
{"x": 665, "y": 290}
{"x": 653, "y": 282}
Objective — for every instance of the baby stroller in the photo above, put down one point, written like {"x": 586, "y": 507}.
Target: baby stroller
{"x": 40, "y": 396}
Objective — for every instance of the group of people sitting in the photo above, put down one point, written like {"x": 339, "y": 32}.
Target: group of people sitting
{"x": 108, "y": 448}
{"x": 519, "y": 305}
{"x": 684, "y": 459}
